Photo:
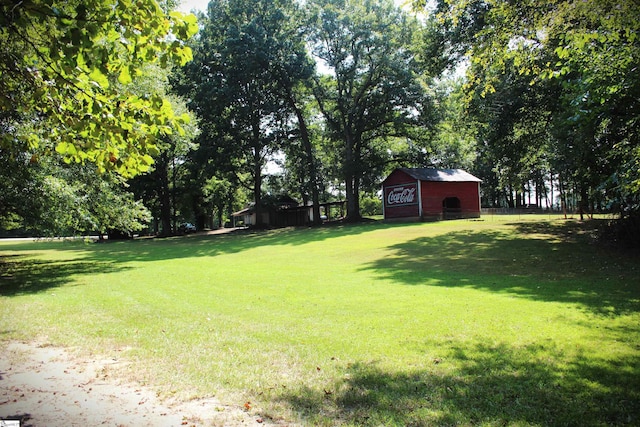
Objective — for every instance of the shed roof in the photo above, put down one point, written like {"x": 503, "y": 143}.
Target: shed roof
{"x": 440, "y": 175}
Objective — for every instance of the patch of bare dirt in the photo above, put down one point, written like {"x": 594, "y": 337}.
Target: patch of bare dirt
{"x": 45, "y": 386}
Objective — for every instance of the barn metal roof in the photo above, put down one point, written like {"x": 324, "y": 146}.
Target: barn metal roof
{"x": 440, "y": 175}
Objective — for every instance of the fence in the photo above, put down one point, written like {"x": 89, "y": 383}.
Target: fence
{"x": 496, "y": 213}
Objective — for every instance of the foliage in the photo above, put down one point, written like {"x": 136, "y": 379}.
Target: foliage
{"x": 454, "y": 144}
{"x": 111, "y": 208}
{"x": 161, "y": 187}
{"x": 370, "y": 205}
{"x": 622, "y": 233}
{"x": 557, "y": 83}
{"x": 551, "y": 98}
{"x": 261, "y": 106}
{"x": 69, "y": 66}
{"x": 216, "y": 194}
{"x": 371, "y": 91}
{"x": 48, "y": 199}
{"x": 247, "y": 62}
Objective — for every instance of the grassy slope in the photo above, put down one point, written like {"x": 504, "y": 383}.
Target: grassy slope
{"x": 420, "y": 324}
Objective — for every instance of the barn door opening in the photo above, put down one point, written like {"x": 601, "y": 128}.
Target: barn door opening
{"x": 451, "y": 208}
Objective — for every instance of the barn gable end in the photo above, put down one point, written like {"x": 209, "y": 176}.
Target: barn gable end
{"x": 430, "y": 194}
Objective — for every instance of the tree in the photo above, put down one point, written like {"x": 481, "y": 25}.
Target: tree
{"x": 216, "y": 193}
{"x": 234, "y": 92}
{"x": 46, "y": 198}
{"x": 159, "y": 188}
{"x": 454, "y": 142}
{"x": 68, "y": 66}
{"x": 19, "y": 188}
{"x": 249, "y": 63}
{"x": 371, "y": 90}
{"x": 303, "y": 166}
{"x": 587, "y": 52}
{"x": 160, "y": 185}
{"x": 108, "y": 206}
{"x": 293, "y": 71}
{"x": 597, "y": 49}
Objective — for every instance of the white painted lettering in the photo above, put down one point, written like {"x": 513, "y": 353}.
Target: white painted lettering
{"x": 401, "y": 196}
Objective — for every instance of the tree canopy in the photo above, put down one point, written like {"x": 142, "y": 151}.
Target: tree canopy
{"x": 248, "y": 60}
{"x": 372, "y": 90}
{"x": 556, "y": 83}
{"x": 69, "y": 67}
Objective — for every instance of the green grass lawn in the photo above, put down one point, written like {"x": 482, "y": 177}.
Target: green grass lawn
{"x": 517, "y": 321}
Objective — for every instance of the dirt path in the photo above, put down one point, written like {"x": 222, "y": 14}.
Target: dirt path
{"x": 48, "y": 387}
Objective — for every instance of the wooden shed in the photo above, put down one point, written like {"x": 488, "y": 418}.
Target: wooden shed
{"x": 430, "y": 194}
{"x": 284, "y": 211}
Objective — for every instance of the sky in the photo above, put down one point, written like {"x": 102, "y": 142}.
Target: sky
{"x": 189, "y": 5}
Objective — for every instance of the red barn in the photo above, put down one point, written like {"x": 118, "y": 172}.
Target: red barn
{"x": 431, "y": 194}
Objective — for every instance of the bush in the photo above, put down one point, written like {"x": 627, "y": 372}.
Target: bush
{"x": 370, "y": 206}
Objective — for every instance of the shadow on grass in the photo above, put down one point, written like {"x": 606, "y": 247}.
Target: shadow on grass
{"x": 480, "y": 384}
{"x": 20, "y": 276}
{"x": 543, "y": 261}
{"x": 567, "y": 231}
{"x": 198, "y": 245}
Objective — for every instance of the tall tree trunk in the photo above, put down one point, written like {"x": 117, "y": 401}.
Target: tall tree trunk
{"x": 550, "y": 203}
{"x": 350, "y": 181}
{"x": 231, "y": 201}
{"x": 583, "y": 205}
{"x": 563, "y": 197}
{"x": 348, "y": 189}
{"x": 164, "y": 194}
{"x": 257, "y": 190}
{"x": 308, "y": 148}
{"x": 356, "y": 195}
{"x": 174, "y": 218}
{"x": 257, "y": 171}
{"x": 220, "y": 216}
{"x": 509, "y": 196}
